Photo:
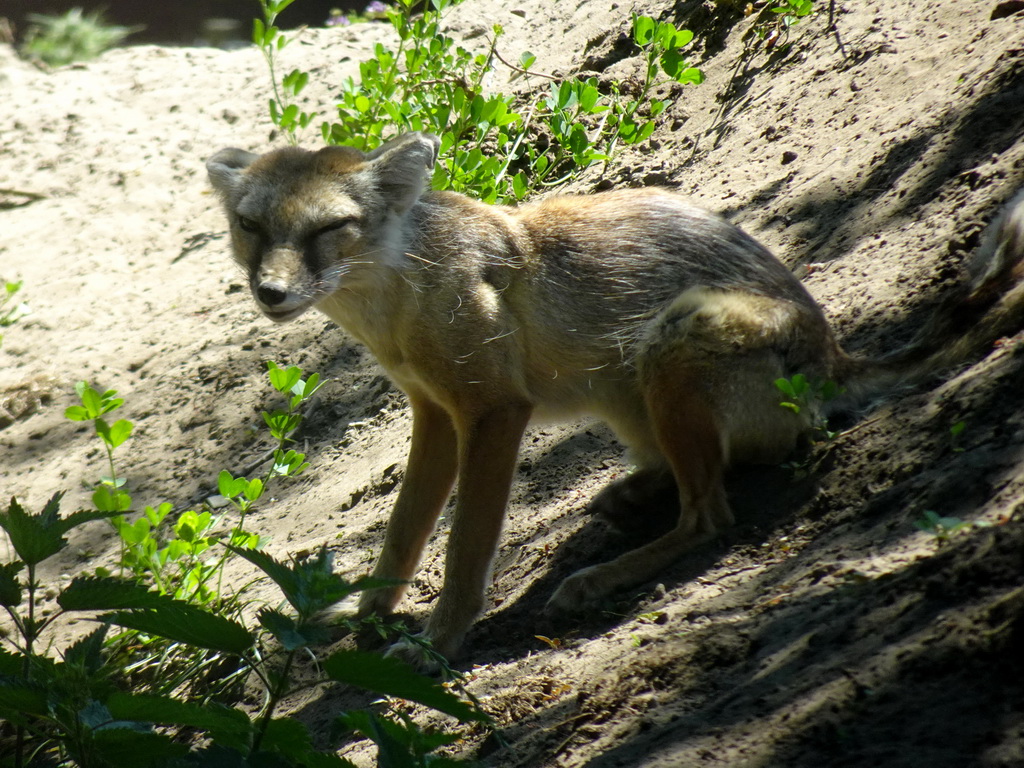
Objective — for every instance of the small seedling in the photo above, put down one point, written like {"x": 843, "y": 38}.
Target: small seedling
{"x": 771, "y": 30}
{"x": 954, "y": 436}
{"x": 11, "y": 313}
{"x": 942, "y": 528}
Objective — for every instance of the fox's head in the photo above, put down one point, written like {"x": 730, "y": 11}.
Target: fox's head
{"x": 306, "y": 224}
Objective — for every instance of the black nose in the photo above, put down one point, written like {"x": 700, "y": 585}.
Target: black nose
{"x": 271, "y": 294}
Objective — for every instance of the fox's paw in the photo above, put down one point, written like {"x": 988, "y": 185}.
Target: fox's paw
{"x": 416, "y": 656}
{"x": 583, "y": 589}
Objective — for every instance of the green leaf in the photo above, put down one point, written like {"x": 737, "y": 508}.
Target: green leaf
{"x": 784, "y": 386}
{"x": 683, "y": 37}
{"x": 18, "y": 699}
{"x": 520, "y": 186}
{"x": 34, "y": 537}
{"x": 392, "y": 677}
{"x": 185, "y": 623}
{"x": 156, "y": 515}
{"x": 104, "y": 593}
{"x": 87, "y": 653}
{"x": 253, "y": 489}
{"x": 109, "y": 501}
{"x": 229, "y": 486}
{"x": 120, "y": 430}
{"x": 164, "y": 710}
{"x": 691, "y": 76}
{"x": 283, "y": 628}
{"x": 283, "y": 379}
{"x": 118, "y": 744}
{"x": 10, "y": 587}
{"x": 643, "y": 29}
{"x": 77, "y": 413}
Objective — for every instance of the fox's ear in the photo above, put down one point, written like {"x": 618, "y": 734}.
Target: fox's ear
{"x": 403, "y": 167}
{"x": 225, "y": 167}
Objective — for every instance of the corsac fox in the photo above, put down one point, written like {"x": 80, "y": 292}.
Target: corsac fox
{"x": 663, "y": 320}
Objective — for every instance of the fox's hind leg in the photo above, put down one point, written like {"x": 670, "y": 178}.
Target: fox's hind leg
{"x": 706, "y": 373}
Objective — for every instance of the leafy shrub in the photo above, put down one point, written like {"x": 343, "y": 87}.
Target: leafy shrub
{"x": 494, "y": 146}
{"x": 84, "y": 707}
{"x": 73, "y": 36}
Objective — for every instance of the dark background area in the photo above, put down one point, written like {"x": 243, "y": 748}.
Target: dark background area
{"x": 179, "y": 22}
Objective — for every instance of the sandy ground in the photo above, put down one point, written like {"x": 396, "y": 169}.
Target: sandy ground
{"x": 825, "y": 629}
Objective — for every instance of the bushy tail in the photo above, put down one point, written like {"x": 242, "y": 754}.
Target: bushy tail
{"x": 988, "y": 307}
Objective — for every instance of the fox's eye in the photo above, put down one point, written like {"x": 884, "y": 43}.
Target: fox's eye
{"x": 333, "y": 226}
{"x": 248, "y": 225}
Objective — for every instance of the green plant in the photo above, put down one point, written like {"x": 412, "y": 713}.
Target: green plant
{"x": 954, "y": 436}
{"x": 494, "y": 146}
{"x": 181, "y": 558}
{"x": 11, "y": 313}
{"x": 114, "y": 695}
{"x": 775, "y": 19}
{"x": 74, "y": 36}
{"x": 177, "y": 566}
{"x": 71, "y": 710}
{"x": 940, "y": 527}
{"x": 284, "y": 111}
{"x": 943, "y": 528}
{"x": 806, "y": 396}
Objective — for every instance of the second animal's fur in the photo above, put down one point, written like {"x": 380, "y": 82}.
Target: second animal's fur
{"x": 664, "y": 320}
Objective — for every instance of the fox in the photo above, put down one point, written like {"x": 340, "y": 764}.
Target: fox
{"x": 635, "y": 307}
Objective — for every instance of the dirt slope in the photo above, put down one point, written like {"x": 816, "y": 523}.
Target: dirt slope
{"x": 825, "y": 629}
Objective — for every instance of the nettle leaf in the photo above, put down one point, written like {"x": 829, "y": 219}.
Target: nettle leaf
{"x": 185, "y": 623}
{"x": 392, "y": 677}
{"x": 105, "y": 593}
{"x": 287, "y": 736}
{"x": 162, "y": 710}
{"x": 35, "y": 537}
{"x": 283, "y": 628}
{"x": 87, "y": 652}
{"x": 11, "y": 665}
{"x": 18, "y": 699}
{"x": 10, "y": 587}
{"x": 279, "y": 572}
{"x": 122, "y": 744}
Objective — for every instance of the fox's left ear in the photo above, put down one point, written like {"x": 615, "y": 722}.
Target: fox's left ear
{"x": 403, "y": 167}
{"x": 225, "y": 167}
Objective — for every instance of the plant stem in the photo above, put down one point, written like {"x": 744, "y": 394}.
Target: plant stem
{"x": 276, "y": 694}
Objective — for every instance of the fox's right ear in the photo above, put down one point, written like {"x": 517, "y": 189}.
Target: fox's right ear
{"x": 225, "y": 167}
{"x": 403, "y": 167}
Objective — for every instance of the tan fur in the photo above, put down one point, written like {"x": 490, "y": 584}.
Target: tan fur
{"x": 663, "y": 320}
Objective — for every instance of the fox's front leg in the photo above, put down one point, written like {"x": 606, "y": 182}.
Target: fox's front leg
{"x": 488, "y": 445}
{"x": 428, "y": 481}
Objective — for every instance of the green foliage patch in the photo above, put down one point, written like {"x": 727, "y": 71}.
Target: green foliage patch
{"x": 495, "y": 146}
